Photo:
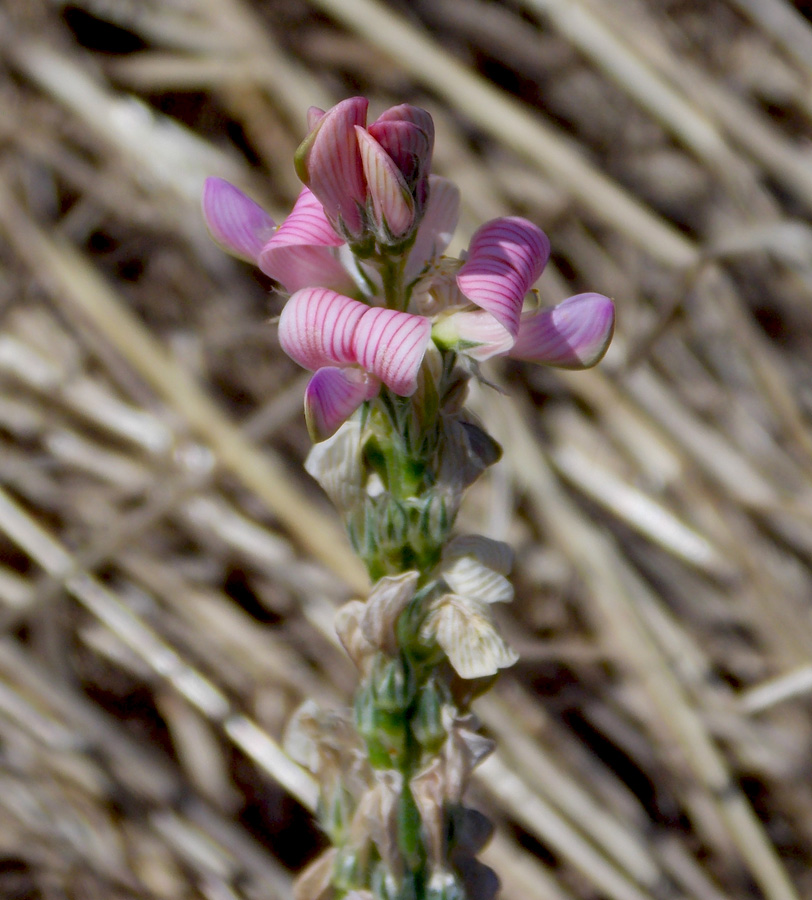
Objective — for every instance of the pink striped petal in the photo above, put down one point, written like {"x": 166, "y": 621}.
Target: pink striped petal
{"x": 236, "y": 223}
{"x": 505, "y": 258}
{"x": 391, "y": 345}
{"x": 572, "y": 335}
{"x": 329, "y": 163}
{"x": 406, "y": 133}
{"x": 333, "y": 395}
{"x": 436, "y": 228}
{"x": 392, "y": 204}
{"x": 317, "y": 328}
{"x": 300, "y": 252}
{"x": 476, "y": 334}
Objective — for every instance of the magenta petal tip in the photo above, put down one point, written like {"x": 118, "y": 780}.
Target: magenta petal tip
{"x": 238, "y": 224}
{"x": 332, "y": 396}
{"x": 575, "y": 334}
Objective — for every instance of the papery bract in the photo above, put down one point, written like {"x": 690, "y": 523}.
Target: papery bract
{"x": 436, "y": 228}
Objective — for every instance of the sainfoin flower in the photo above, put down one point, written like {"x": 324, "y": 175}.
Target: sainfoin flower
{"x": 374, "y": 181}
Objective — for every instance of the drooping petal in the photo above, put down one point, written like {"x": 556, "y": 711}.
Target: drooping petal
{"x": 386, "y": 602}
{"x": 317, "y": 328}
{"x": 475, "y": 566}
{"x": 391, "y": 345}
{"x": 464, "y": 629}
{"x": 333, "y": 395}
{"x": 236, "y": 223}
{"x": 467, "y": 576}
{"x": 329, "y": 163}
{"x": 572, "y": 335}
{"x": 436, "y": 228}
{"x": 392, "y": 204}
{"x": 505, "y": 258}
{"x": 336, "y": 465}
{"x": 300, "y": 253}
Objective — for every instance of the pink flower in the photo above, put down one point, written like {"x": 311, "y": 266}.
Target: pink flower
{"x": 353, "y": 349}
{"x": 372, "y": 182}
{"x": 505, "y": 258}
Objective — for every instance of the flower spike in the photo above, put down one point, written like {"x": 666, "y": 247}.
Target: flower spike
{"x": 392, "y": 331}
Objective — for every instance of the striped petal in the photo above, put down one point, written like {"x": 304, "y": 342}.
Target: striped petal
{"x": 333, "y": 395}
{"x": 465, "y": 630}
{"x": 469, "y": 577}
{"x": 329, "y": 163}
{"x": 391, "y": 345}
{"x": 436, "y": 228}
{"x": 300, "y": 253}
{"x": 392, "y": 204}
{"x": 236, "y": 223}
{"x": 317, "y": 328}
{"x": 505, "y": 258}
{"x": 573, "y": 335}
{"x": 406, "y": 133}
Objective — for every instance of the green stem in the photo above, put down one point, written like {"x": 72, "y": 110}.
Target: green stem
{"x": 392, "y": 269}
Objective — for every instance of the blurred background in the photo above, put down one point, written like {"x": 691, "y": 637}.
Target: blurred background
{"x": 168, "y": 572}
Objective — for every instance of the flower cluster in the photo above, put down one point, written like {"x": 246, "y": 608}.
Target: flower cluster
{"x": 368, "y": 191}
{"x": 390, "y": 325}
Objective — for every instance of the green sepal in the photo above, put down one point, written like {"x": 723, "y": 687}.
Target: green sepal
{"x": 427, "y": 721}
{"x": 393, "y": 683}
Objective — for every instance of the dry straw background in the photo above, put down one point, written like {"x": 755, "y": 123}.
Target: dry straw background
{"x": 168, "y": 573}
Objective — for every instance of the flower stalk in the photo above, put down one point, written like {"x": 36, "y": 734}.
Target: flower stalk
{"x": 393, "y": 332}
